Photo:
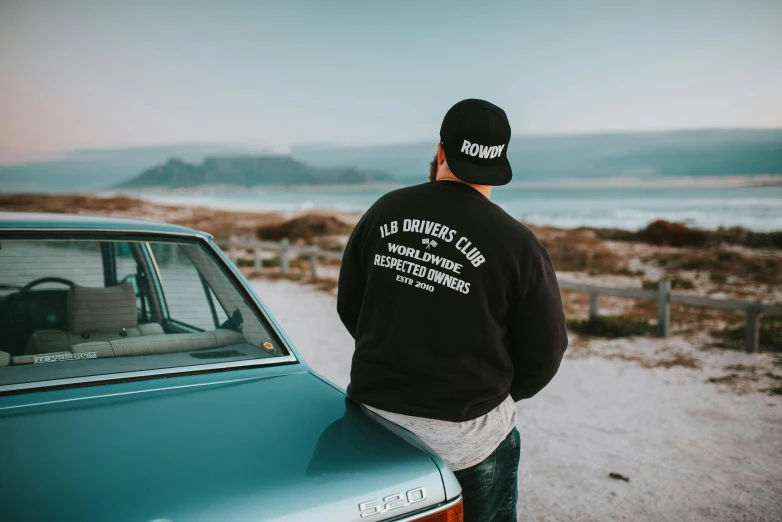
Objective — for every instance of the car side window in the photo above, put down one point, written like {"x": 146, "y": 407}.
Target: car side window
{"x": 189, "y": 299}
{"x": 94, "y": 305}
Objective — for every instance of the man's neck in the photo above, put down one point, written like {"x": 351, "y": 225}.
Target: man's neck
{"x": 448, "y": 176}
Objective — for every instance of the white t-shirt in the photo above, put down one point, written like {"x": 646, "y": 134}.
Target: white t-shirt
{"x": 460, "y": 444}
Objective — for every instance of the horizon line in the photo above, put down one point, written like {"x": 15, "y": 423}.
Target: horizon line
{"x": 52, "y": 156}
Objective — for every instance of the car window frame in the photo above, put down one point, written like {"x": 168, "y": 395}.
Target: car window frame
{"x": 289, "y": 356}
{"x": 156, "y": 278}
{"x": 150, "y": 295}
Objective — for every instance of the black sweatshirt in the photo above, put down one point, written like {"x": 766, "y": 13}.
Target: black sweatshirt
{"x": 453, "y": 304}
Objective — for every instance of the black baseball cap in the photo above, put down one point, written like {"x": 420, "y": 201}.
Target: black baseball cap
{"x": 475, "y": 136}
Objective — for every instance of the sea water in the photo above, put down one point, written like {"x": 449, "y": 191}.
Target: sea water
{"x": 754, "y": 207}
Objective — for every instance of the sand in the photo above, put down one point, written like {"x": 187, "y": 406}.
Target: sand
{"x": 693, "y": 450}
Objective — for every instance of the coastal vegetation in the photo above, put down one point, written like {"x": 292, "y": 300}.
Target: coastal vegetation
{"x": 305, "y": 227}
{"x": 611, "y": 326}
{"x": 666, "y": 233}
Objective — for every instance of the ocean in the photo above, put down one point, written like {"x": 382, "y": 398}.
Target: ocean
{"x": 755, "y": 207}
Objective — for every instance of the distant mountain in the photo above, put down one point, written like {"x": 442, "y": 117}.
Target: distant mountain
{"x": 638, "y": 154}
{"x": 249, "y": 171}
{"x": 550, "y": 158}
{"x": 97, "y": 169}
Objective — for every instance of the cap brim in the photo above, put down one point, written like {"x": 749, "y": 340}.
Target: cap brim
{"x": 493, "y": 175}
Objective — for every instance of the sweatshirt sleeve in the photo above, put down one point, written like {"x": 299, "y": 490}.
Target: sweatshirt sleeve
{"x": 537, "y": 334}
{"x": 352, "y": 282}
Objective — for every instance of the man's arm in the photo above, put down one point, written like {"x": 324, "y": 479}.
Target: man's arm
{"x": 537, "y": 333}
{"x": 350, "y": 291}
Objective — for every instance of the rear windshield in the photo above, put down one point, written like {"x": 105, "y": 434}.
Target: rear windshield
{"x": 87, "y": 307}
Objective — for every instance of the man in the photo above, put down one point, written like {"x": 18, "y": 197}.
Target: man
{"x": 455, "y": 310}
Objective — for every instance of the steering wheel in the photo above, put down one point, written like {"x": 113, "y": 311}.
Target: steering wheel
{"x": 29, "y": 286}
{"x": 22, "y": 318}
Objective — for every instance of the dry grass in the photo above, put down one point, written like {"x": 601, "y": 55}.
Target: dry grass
{"x": 69, "y": 203}
{"x": 610, "y": 326}
{"x": 304, "y": 227}
{"x": 742, "y": 379}
{"x": 663, "y": 357}
{"x": 721, "y": 263}
{"x": 579, "y": 250}
{"x": 575, "y": 304}
{"x": 677, "y": 283}
{"x": 663, "y": 232}
{"x": 770, "y": 335}
{"x": 680, "y": 360}
{"x": 220, "y": 223}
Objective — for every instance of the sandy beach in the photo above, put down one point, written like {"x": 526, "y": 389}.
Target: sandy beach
{"x": 691, "y": 449}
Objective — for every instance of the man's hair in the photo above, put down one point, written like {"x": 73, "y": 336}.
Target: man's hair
{"x": 433, "y": 168}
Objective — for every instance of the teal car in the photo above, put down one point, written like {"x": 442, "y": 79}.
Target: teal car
{"x": 142, "y": 379}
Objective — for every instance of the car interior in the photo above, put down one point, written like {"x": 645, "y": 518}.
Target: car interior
{"x": 68, "y": 301}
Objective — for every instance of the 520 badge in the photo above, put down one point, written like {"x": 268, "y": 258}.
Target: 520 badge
{"x": 417, "y": 284}
{"x": 395, "y": 501}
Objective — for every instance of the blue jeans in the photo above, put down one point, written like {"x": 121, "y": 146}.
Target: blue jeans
{"x": 490, "y": 488}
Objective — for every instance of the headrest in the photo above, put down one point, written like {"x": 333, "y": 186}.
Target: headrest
{"x": 92, "y": 309}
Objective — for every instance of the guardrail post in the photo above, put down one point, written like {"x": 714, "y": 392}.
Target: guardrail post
{"x": 313, "y": 263}
{"x": 663, "y": 307}
{"x": 752, "y": 338}
{"x": 593, "y": 304}
{"x": 284, "y": 255}
{"x": 257, "y": 258}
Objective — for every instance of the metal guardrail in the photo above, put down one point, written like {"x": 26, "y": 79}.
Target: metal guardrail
{"x": 665, "y": 297}
{"x": 285, "y": 249}
{"x": 662, "y": 294}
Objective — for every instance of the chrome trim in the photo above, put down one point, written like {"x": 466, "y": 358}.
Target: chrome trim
{"x": 87, "y": 231}
{"x": 218, "y": 383}
{"x": 161, "y": 296}
{"x": 146, "y": 373}
{"x": 418, "y": 516}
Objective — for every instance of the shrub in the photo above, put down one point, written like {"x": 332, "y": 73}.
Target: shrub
{"x": 767, "y": 270}
{"x": 611, "y": 326}
{"x": 742, "y": 236}
{"x": 663, "y": 232}
{"x": 271, "y": 262}
{"x": 762, "y": 270}
{"x": 770, "y": 335}
{"x": 726, "y": 256}
{"x": 677, "y": 234}
{"x": 303, "y": 227}
{"x": 677, "y": 283}
{"x": 615, "y": 234}
{"x": 579, "y": 251}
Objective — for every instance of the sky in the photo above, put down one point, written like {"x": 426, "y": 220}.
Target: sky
{"x": 96, "y": 74}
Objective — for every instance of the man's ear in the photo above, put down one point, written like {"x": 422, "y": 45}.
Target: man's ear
{"x": 440, "y": 154}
